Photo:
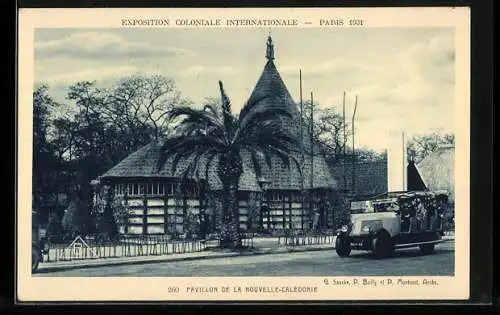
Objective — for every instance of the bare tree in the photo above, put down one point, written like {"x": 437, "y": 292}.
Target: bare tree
{"x": 145, "y": 101}
{"x": 328, "y": 129}
{"x": 420, "y": 146}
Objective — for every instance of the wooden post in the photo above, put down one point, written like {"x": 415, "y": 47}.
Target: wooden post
{"x": 145, "y": 210}
{"x": 290, "y": 223}
{"x": 312, "y": 155}
{"x": 165, "y": 210}
{"x": 125, "y": 200}
{"x": 353, "y": 153}
{"x": 301, "y": 121}
{"x": 284, "y": 213}
{"x": 404, "y": 162}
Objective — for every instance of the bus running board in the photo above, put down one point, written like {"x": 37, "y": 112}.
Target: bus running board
{"x": 419, "y": 243}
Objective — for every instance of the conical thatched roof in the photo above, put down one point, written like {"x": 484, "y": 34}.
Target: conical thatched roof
{"x": 437, "y": 170}
{"x": 142, "y": 163}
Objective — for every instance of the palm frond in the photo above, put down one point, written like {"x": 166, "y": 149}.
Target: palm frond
{"x": 262, "y": 110}
{"x": 255, "y": 161}
{"x": 267, "y": 157}
{"x": 181, "y": 155}
{"x": 227, "y": 116}
{"x": 274, "y": 116}
{"x": 191, "y": 169}
{"x": 252, "y": 104}
{"x": 279, "y": 138}
{"x": 201, "y": 117}
{"x": 285, "y": 157}
{"x": 181, "y": 145}
{"x": 211, "y": 109}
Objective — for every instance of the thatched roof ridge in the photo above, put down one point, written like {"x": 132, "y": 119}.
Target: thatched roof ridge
{"x": 437, "y": 170}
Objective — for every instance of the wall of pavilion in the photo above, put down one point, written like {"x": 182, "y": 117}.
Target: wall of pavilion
{"x": 160, "y": 206}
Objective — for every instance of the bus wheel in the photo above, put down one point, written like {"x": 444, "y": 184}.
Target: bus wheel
{"x": 382, "y": 245}
{"x": 35, "y": 260}
{"x": 342, "y": 246}
{"x": 427, "y": 248}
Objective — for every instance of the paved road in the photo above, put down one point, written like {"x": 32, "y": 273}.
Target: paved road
{"x": 409, "y": 262}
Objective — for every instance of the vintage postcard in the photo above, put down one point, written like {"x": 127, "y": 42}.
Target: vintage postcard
{"x": 243, "y": 154}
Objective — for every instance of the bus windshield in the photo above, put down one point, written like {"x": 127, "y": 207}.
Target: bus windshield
{"x": 373, "y": 206}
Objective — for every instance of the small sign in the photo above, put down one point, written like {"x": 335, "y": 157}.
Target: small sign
{"x": 76, "y": 249}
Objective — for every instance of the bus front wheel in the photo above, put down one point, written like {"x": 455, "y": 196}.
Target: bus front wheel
{"x": 342, "y": 246}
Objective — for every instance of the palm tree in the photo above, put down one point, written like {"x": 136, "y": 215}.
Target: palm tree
{"x": 215, "y": 134}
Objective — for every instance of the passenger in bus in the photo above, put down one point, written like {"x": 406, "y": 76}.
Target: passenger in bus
{"x": 414, "y": 226}
{"x": 421, "y": 214}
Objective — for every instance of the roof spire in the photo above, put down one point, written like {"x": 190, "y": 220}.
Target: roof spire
{"x": 270, "y": 48}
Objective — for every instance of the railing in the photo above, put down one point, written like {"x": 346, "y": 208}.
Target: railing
{"x": 82, "y": 249}
{"x": 247, "y": 239}
{"x": 302, "y": 238}
{"x": 133, "y": 246}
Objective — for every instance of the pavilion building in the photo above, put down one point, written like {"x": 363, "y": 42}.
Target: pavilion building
{"x": 280, "y": 199}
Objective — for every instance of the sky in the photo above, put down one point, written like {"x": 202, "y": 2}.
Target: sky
{"x": 403, "y": 77}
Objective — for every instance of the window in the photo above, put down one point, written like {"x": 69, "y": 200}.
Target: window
{"x": 161, "y": 189}
{"x": 276, "y": 196}
{"x": 149, "y": 189}
{"x": 131, "y": 189}
{"x": 119, "y": 189}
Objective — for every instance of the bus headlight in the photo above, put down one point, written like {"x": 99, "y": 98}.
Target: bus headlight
{"x": 371, "y": 226}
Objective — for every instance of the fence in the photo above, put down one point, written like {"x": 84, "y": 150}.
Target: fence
{"x": 300, "y": 238}
{"x": 135, "y": 246}
{"x": 125, "y": 247}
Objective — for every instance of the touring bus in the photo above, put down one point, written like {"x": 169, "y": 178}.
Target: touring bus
{"x": 393, "y": 221}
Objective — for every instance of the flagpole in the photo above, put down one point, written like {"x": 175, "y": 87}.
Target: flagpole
{"x": 312, "y": 158}
{"x": 353, "y": 147}
{"x": 344, "y": 143}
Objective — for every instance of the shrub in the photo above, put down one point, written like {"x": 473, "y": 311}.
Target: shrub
{"x": 77, "y": 219}
{"x": 107, "y": 225}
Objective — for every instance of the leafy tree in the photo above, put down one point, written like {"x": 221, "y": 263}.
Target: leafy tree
{"x": 420, "y": 146}
{"x": 45, "y": 163}
{"x": 369, "y": 155}
{"x": 213, "y": 134}
{"x": 55, "y": 229}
